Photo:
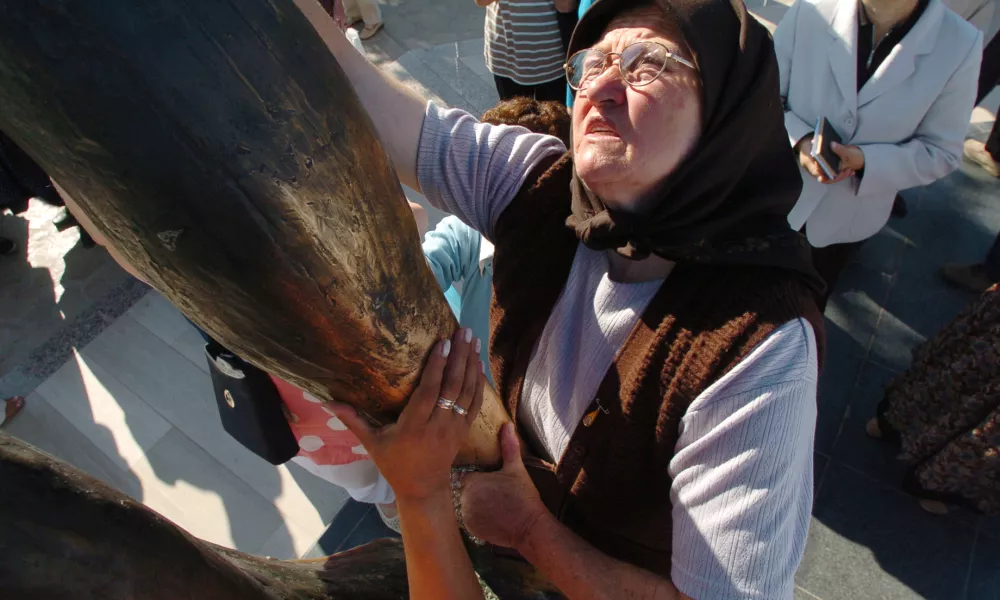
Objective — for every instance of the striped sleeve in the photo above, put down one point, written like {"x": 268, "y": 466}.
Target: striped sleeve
{"x": 473, "y": 170}
{"x": 743, "y": 474}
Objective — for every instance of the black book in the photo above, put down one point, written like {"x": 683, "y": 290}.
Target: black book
{"x": 823, "y": 137}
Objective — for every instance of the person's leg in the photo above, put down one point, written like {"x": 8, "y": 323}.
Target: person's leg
{"x": 993, "y": 141}
{"x": 830, "y": 262}
{"x": 989, "y": 71}
{"x": 508, "y": 88}
{"x": 370, "y": 11}
{"x": 552, "y": 91}
{"x": 991, "y": 266}
{"x": 353, "y": 12}
{"x": 372, "y": 15}
{"x": 567, "y": 23}
{"x": 989, "y": 77}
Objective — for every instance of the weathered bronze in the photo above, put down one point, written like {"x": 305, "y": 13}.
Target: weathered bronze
{"x": 220, "y": 149}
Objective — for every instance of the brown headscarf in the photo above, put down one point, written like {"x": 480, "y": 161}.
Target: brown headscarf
{"x": 728, "y": 201}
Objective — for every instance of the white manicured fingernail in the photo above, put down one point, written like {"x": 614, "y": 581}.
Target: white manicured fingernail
{"x": 479, "y": 345}
{"x": 482, "y": 367}
{"x": 446, "y": 348}
{"x": 468, "y": 335}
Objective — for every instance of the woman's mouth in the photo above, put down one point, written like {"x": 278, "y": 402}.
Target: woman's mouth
{"x": 601, "y": 128}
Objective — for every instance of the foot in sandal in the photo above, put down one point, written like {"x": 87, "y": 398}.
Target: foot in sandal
{"x": 390, "y": 516}
{"x": 369, "y": 31}
{"x": 13, "y": 405}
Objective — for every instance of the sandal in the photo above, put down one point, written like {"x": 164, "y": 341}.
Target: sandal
{"x": 390, "y": 522}
{"x": 369, "y": 31}
{"x": 14, "y": 404}
{"x": 353, "y": 22}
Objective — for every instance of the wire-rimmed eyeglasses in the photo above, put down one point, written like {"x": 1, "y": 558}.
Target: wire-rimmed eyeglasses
{"x": 639, "y": 64}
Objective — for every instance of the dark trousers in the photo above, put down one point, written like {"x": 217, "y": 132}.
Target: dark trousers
{"x": 830, "y": 262}
{"x": 989, "y": 77}
{"x": 991, "y": 266}
{"x": 554, "y": 90}
{"x": 567, "y": 23}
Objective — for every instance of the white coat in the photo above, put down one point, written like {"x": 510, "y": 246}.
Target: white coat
{"x": 910, "y": 118}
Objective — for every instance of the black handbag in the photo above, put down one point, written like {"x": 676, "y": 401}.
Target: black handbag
{"x": 250, "y": 406}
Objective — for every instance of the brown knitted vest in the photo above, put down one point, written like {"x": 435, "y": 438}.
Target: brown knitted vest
{"x": 612, "y": 486}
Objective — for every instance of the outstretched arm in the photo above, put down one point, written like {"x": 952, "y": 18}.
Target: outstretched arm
{"x": 397, "y": 111}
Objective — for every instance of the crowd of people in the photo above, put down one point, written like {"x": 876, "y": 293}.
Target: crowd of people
{"x": 643, "y": 278}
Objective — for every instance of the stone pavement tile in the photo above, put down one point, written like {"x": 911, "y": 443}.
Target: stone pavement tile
{"x": 42, "y": 426}
{"x": 446, "y": 61}
{"x": 856, "y": 304}
{"x": 357, "y": 523}
{"x": 471, "y": 52}
{"x": 871, "y": 541}
{"x": 191, "y": 346}
{"x": 990, "y": 526}
{"x": 308, "y": 501}
{"x": 984, "y": 577}
{"x": 419, "y": 24}
{"x": 954, "y": 219}
{"x": 182, "y": 393}
{"x": 919, "y": 305}
{"x": 113, "y": 418}
{"x": 157, "y": 314}
{"x": 894, "y": 342}
{"x": 383, "y": 48}
{"x": 883, "y": 251}
{"x": 854, "y": 446}
{"x": 414, "y": 73}
{"x": 186, "y": 485}
{"x": 369, "y": 528}
{"x": 853, "y": 311}
{"x": 804, "y": 594}
{"x": 836, "y": 387}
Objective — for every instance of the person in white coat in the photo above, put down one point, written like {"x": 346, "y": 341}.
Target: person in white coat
{"x": 897, "y": 80}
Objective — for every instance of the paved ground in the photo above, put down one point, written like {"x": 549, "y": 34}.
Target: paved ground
{"x": 119, "y": 388}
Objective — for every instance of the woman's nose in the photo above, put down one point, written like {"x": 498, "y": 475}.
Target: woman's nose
{"x": 608, "y": 86}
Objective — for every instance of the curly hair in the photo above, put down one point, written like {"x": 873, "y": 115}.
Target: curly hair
{"x": 550, "y": 118}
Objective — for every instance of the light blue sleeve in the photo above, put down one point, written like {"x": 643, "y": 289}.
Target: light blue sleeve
{"x": 452, "y": 251}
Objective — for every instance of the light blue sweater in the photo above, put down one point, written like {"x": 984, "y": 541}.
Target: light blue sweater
{"x": 453, "y": 252}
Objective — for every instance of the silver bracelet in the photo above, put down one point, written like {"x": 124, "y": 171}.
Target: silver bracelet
{"x": 457, "y": 474}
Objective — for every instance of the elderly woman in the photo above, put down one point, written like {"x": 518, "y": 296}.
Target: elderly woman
{"x": 654, "y": 329}
{"x": 897, "y": 80}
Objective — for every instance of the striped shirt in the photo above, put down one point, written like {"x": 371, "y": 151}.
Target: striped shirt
{"x": 523, "y": 41}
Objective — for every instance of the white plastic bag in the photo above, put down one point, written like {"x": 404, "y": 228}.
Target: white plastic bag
{"x": 355, "y": 39}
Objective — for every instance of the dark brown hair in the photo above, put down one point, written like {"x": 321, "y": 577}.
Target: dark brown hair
{"x": 550, "y": 118}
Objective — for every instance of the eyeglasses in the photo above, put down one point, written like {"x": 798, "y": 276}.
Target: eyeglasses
{"x": 639, "y": 63}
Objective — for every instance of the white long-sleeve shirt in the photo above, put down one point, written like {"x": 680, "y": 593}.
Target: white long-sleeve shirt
{"x": 742, "y": 469}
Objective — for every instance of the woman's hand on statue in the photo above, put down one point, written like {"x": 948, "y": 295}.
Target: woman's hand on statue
{"x": 501, "y": 507}
{"x": 812, "y": 166}
{"x": 416, "y": 452}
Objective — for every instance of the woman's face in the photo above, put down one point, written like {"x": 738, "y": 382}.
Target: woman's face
{"x": 626, "y": 140}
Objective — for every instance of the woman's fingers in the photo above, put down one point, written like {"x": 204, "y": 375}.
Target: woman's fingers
{"x": 358, "y": 425}
{"x": 421, "y": 403}
{"x": 454, "y": 372}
